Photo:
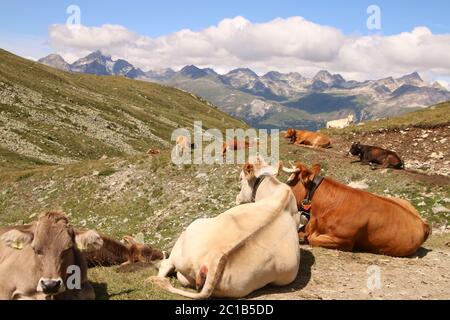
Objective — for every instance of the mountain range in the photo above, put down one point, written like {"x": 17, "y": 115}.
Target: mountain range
{"x": 278, "y": 100}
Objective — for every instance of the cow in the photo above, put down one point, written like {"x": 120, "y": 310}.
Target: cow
{"x": 350, "y": 219}
{"x": 341, "y": 123}
{"x": 153, "y": 152}
{"x": 243, "y": 249}
{"x": 308, "y": 138}
{"x": 114, "y": 252}
{"x": 37, "y": 260}
{"x": 375, "y": 155}
{"x": 235, "y": 145}
{"x": 183, "y": 146}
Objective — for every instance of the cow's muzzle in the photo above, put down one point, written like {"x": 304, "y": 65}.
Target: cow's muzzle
{"x": 51, "y": 286}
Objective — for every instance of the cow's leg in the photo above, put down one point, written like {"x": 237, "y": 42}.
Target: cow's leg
{"x": 185, "y": 281}
{"x": 329, "y": 242}
{"x": 166, "y": 268}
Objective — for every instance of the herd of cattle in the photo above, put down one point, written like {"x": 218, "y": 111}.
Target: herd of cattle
{"x": 253, "y": 244}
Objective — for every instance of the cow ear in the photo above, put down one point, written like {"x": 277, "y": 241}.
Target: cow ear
{"x": 249, "y": 170}
{"x": 316, "y": 169}
{"x": 89, "y": 241}
{"x": 17, "y": 239}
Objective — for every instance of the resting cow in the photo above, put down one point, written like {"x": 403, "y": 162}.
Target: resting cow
{"x": 308, "y": 138}
{"x": 243, "y": 249}
{"x": 350, "y": 219}
{"x": 376, "y": 155}
{"x": 114, "y": 252}
{"x": 341, "y": 123}
{"x": 37, "y": 260}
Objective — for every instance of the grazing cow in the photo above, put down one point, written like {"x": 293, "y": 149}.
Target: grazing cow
{"x": 350, "y": 219}
{"x": 341, "y": 123}
{"x": 242, "y": 249}
{"x": 235, "y": 145}
{"x": 308, "y": 138}
{"x": 183, "y": 146}
{"x": 37, "y": 260}
{"x": 375, "y": 155}
{"x": 114, "y": 252}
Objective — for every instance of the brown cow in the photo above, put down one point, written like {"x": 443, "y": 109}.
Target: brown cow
{"x": 38, "y": 261}
{"x": 235, "y": 145}
{"x": 183, "y": 146}
{"x": 308, "y": 138}
{"x": 371, "y": 155}
{"x": 114, "y": 252}
{"x": 154, "y": 152}
{"x": 349, "y": 219}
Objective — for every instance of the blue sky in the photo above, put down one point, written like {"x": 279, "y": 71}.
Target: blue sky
{"x": 24, "y": 25}
{"x": 154, "y": 18}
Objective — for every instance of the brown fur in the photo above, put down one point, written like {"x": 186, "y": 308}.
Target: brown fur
{"x": 114, "y": 252}
{"x": 308, "y": 138}
{"x": 22, "y": 269}
{"x": 349, "y": 219}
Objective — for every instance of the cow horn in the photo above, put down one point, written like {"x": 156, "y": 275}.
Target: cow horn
{"x": 293, "y": 170}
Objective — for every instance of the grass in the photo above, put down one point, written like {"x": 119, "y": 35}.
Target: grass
{"x": 438, "y": 115}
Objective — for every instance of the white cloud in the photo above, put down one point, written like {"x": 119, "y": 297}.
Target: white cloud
{"x": 291, "y": 44}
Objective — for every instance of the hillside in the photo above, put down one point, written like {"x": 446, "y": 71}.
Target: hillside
{"x": 157, "y": 200}
{"x": 51, "y": 116}
{"x": 45, "y": 164}
{"x": 280, "y": 100}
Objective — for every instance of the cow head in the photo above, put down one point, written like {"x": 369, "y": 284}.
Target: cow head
{"x": 355, "y": 149}
{"x": 254, "y": 168}
{"x": 139, "y": 252}
{"x": 290, "y": 133}
{"x": 55, "y": 248}
{"x": 300, "y": 177}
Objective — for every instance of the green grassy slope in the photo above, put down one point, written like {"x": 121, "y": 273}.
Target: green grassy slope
{"x": 438, "y": 115}
{"x": 51, "y": 116}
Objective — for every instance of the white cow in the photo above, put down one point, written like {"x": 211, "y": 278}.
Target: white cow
{"x": 243, "y": 249}
{"x": 341, "y": 123}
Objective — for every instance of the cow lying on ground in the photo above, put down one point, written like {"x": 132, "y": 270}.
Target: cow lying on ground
{"x": 242, "y": 249}
{"x": 341, "y": 123}
{"x": 375, "y": 155}
{"x": 308, "y": 138}
{"x": 114, "y": 252}
{"x": 153, "y": 152}
{"x": 350, "y": 219}
{"x": 37, "y": 260}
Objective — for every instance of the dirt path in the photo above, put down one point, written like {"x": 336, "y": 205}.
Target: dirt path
{"x": 329, "y": 274}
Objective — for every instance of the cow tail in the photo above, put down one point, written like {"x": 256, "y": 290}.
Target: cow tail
{"x": 214, "y": 274}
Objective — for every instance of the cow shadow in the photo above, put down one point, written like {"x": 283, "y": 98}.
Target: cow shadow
{"x": 307, "y": 260}
{"x": 101, "y": 291}
{"x": 421, "y": 253}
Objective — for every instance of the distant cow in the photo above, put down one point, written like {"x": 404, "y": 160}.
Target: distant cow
{"x": 114, "y": 252}
{"x": 341, "y": 123}
{"x": 183, "y": 146}
{"x": 376, "y": 155}
{"x": 308, "y": 138}
{"x": 235, "y": 145}
{"x": 350, "y": 219}
{"x": 37, "y": 260}
{"x": 154, "y": 152}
